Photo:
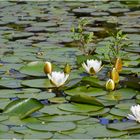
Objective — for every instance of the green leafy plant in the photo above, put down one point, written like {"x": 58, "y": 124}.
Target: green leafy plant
{"x": 116, "y": 44}
{"x": 81, "y": 37}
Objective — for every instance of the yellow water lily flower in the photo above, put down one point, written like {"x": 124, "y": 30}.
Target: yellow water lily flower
{"x": 92, "y": 66}
{"x": 58, "y": 78}
{"x": 135, "y": 109}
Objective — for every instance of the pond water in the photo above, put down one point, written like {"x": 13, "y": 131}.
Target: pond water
{"x": 39, "y": 31}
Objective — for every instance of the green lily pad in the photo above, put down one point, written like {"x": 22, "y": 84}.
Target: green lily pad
{"x": 57, "y": 126}
{"x": 35, "y": 68}
{"x": 79, "y": 107}
{"x": 10, "y": 83}
{"x": 3, "y": 128}
{"x": 39, "y": 96}
{"x": 100, "y": 131}
{"x": 95, "y": 82}
{"x": 53, "y": 110}
{"x": 38, "y": 135}
{"x": 37, "y": 83}
{"x": 58, "y": 100}
{"x": 121, "y": 94}
{"x": 119, "y": 112}
{"x": 123, "y": 126}
{"x": 23, "y": 108}
{"x": 3, "y": 103}
{"x": 100, "y": 112}
{"x": 124, "y": 105}
{"x": 90, "y": 91}
{"x": 9, "y": 135}
{"x": 16, "y": 121}
{"x": 83, "y": 98}
{"x": 63, "y": 118}
{"x": 3, "y": 118}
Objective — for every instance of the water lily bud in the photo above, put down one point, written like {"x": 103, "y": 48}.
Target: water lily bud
{"x": 110, "y": 85}
{"x": 48, "y": 68}
{"x": 118, "y": 64}
{"x": 115, "y": 75}
{"x": 67, "y": 69}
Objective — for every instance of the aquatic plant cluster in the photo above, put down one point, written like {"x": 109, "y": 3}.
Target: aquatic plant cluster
{"x": 69, "y": 70}
{"x": 58, "y": 79}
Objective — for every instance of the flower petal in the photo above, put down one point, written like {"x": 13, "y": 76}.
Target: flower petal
{"x": 131, "y": 117}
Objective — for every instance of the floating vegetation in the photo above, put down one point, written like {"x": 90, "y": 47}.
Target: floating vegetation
{"x": 69, "y": 70}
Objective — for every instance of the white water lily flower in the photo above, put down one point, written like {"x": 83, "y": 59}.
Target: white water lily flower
{"x": 92, "y": 66}
{"x": 136, "y": 113}
{"x": 58, "y": 78}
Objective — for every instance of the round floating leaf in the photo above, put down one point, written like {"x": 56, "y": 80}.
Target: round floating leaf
{"x": 57, "y": 126}
{"x": 39, "y": 96}
{"x": 100, "y": 131}
{"x": 107, "y": 103}
{"x": 3, "y": 118}
{"x": 90, "y": 91}
{"x": 11, "y": 59}
{"x": 53, "y": 110}
{"x": 38, "y": 135}
{"x": 23, "y": 108}
{"x": 80, "y": 136}
{"x": 100, "y": 112}
{"x": 58, "y": 100}
{"x": 3, "y": 103}
{"x": 95, "y": 82}
{"x": 9, "y": 135}
{"x": 16, "y": 121}
{"x": 31, "y": 134}
{"x": 63, "y": 118}
{"x": 35, "y": 68}
{"x": 88, "y": 121}
{"x": 119, "y": 112}
{"x": 3, "y": 128}
{"x": 79, "y": 107}
{"x": 61, "y": 136}
{"x": 83, "y": 98}
{"x": 37, "y": 83}
{"x": 121, "y": 94}
{"x": 124, "y": 105}
{"x": 121, "y": 126}
{"x": 10, "y": 83}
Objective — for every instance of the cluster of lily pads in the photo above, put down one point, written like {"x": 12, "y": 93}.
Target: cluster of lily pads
{"x": 92, "y": 67}
{"x": 70, "y": 103}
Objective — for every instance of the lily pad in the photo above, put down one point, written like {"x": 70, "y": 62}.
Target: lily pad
{"x": 100, "y": 131}
{"x": 89, "y": 91}
{"x": 63, "y": 118}
{"x": 23, "y": 108}
{"x": 37, "y": 83}
{"x": 123, "y": 126}
{"x": 83, "y": 98}
{"x": 121, "y": 94}
{"x": 79, "y": 107}
{"x": 57, "y": 126}
{"x": 3, "y": 128}
{"x": 34, "y": 68}
{"x": 10, "y": 83}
